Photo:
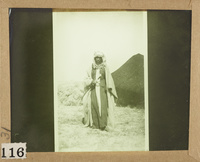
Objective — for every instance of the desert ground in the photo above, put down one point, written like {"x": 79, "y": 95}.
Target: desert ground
{"x": 128, "y": 135}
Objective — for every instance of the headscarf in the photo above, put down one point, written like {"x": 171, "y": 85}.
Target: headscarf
{"x": 103, "y": 64}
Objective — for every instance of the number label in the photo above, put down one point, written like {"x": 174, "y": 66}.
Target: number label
{"x": 13, "y": 150}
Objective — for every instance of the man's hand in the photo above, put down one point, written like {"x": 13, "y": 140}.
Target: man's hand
{"x": 95, "y": 81}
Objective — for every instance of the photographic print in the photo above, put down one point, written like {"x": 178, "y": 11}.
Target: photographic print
{"x": 100, "y": 80}
{"x": 99, "y": 71}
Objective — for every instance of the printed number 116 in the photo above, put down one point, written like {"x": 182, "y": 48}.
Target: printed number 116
{"x": 20, "y": 152}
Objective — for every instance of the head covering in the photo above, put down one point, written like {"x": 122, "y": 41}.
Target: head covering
{"x": 99, "y": 54}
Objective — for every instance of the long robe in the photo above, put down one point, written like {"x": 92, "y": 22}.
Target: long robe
{"x": 99, "y": 115}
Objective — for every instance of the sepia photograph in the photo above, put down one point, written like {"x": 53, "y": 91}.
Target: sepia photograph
{"x": 100, "y": 63}
{"x": 100, "y": 80}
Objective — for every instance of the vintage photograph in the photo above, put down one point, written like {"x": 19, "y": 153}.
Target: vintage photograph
{"x": 99, "y": 80}
{"x": 100, "y": 72}
{"x": 85, "y": 81}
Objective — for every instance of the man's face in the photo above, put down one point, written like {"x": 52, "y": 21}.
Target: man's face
{"x": 98, "y": 60}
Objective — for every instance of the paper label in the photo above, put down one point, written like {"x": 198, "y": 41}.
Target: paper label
{"x": 13, "y": 150}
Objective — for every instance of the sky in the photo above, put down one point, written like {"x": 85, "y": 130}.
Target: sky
{"x": 77, "y": 35}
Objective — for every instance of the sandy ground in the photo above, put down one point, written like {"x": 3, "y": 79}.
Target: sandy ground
{"x": 128, "y": 135}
